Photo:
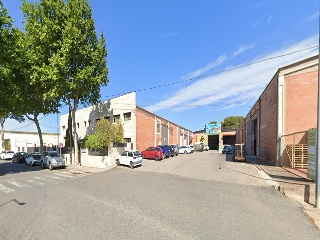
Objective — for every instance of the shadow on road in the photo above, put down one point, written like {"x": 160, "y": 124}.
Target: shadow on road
{"x": 7, "y": 167}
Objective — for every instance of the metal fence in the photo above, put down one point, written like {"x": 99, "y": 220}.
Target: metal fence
{"x": 295, "y": 150}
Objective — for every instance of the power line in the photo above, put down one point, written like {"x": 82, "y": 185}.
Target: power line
{"x": 195, "y": 78}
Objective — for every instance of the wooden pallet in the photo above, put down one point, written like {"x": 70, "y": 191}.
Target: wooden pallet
{"x": 298, "y": 155}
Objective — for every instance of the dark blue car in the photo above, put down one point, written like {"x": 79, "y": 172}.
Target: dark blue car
{"x": 165, "y": 150}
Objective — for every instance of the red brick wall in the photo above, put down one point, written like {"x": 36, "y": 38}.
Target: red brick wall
{"x": 301, "y": 103}
{"x": 268, "y": 121}
{"x": 145, "y": 129}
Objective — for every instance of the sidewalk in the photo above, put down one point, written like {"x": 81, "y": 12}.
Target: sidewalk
{"x": 82, "y": 169}
{"x": 294, "y": 184}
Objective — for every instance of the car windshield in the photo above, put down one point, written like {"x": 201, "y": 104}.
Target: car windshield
{"x": 137, "y": 153}
{"x": 53, "y": 154}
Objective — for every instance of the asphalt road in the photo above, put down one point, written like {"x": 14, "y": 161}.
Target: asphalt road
{"x": 195, "y": 196}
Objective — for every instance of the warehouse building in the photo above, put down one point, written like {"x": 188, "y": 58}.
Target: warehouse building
{"x": 142, "y": 128}
{"x": 276, "y": 127}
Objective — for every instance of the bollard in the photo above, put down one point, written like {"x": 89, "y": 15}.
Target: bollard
{"x": 306, "y": 193}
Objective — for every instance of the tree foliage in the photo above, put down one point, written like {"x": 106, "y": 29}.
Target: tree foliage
{"x": 11, "y": 70}
{"x": 232, "y": 122}
{"x": 80, "y": 63}
{"x": 104, "y": 134}
{"x": 42, "y": 24}
{"x": 213, "y": 122}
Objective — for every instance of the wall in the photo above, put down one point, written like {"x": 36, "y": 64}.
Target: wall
{"x": 148, "y": 134}
{"x": 87, "y": 118}
{"x": 268, "y": 121}
{"x": 301, "y": 102}
{"x": 21, "y": 141}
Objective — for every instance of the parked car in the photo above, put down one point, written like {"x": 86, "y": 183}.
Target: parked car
{"x": 172, "y": 152}
{"x": 191, "y": 148}
{"x": 130, "y": 158}
{"x": 165, "y": 150}
{"x": 7, "y": 155}
{"x": 184, "y": 150}
{"x": 20, "y": 157}
{"x": 33, "y": 159}
{"x": 198, "y": 146}
{"x": 175, "y": 149}
{"x": 153, "y": 153}
{"x": 51, "y": 160}
{"x": 227, "y": 149}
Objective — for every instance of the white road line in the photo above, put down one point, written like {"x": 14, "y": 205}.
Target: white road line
{"x": 34, "y": 182}
{"x": 65, "y": 175}
{"x": 18, "y": 184}
{"x": 44, "y": 179}
{"x": 6, "y": 189}
{"x": 54, "y": 177}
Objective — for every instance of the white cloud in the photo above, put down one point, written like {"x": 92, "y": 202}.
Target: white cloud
{"x": 269, "y": 18}
{"x": 242, "y": 49}
{"x": 310, "y": 18}
{"x": 235, "y": 87}
{"x": 220, "y": 60}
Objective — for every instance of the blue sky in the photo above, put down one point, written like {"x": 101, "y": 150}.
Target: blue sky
{"x": 188, "y": 46}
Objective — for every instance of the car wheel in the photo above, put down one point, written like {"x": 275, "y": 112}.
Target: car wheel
{"x": 185, "y": 152}
{"x": 50, "y": 166}
{"x": 118, "y": 162}
{"x": 42, "y": 165}
{"x": 131, "y": 165}
{"x": 142, "y": 156}
{"x": 156, "y": 157}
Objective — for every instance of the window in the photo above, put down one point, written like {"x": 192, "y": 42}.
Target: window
{"x": 108, "y": 118}
{"x": 127, "y": 116}
{"x": 116, "y": 118}
{"x": 89, "y": 122}
{"x": 97, "y": 120}
{"x": 158, "y": 126}
{"x": 130, "y": 154}
{"x": 63, "y": 128}
{"x": 127, "y": 140}
{"x": 78, "y": 125}
{"x": 85, "y": 124}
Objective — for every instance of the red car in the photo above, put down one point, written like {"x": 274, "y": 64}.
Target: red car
{"x": 153, "y": 153}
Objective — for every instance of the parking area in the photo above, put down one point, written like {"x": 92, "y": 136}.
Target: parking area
{"x": 208, "y": 165}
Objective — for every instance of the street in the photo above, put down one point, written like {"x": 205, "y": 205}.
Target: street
{"x": 194, "y": 196}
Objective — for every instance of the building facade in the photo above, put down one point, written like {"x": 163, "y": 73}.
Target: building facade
{"x": 283, "y": 114}
{"x": 18, "y": 141}
{"x": 142, "y": 128}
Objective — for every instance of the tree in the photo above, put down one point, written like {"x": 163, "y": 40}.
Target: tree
{"x": 80, "y": 64}
{"x": 104, "y": 134}
{"x": 232, "y": 122}
{"x": 213, "y": 122}
{"x": 43, "y": 36}
{"x": 11, "y": 70}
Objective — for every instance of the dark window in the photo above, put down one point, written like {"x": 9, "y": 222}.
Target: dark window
{"x": 116, "y": 118}
{"x": 127, "y": 116}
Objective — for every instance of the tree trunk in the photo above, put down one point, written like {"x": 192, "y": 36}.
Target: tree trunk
{"x": 70, "y": 134}
{"x": 36, "y": 121}
{"x": 2, "y": 133}
{"x": 75, "y": 135}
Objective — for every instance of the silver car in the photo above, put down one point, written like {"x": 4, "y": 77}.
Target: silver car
{"x": 51, "y": 160}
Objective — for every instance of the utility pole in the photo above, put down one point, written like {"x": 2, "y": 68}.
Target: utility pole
{"x": 318, "y": 131}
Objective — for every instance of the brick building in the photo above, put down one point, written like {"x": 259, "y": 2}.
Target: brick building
{"x": 142, "y": 128}
{"x": 284, "y": 112}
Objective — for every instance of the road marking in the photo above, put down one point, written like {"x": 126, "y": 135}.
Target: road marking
{"x": 65, "y": 175}
{"x": 44, "y": 179}
{"x": 18, "y": 184}
{"x": 34, "y": 182}
{"x": 6, "y": 189}
{"x": 54, "y": 177}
